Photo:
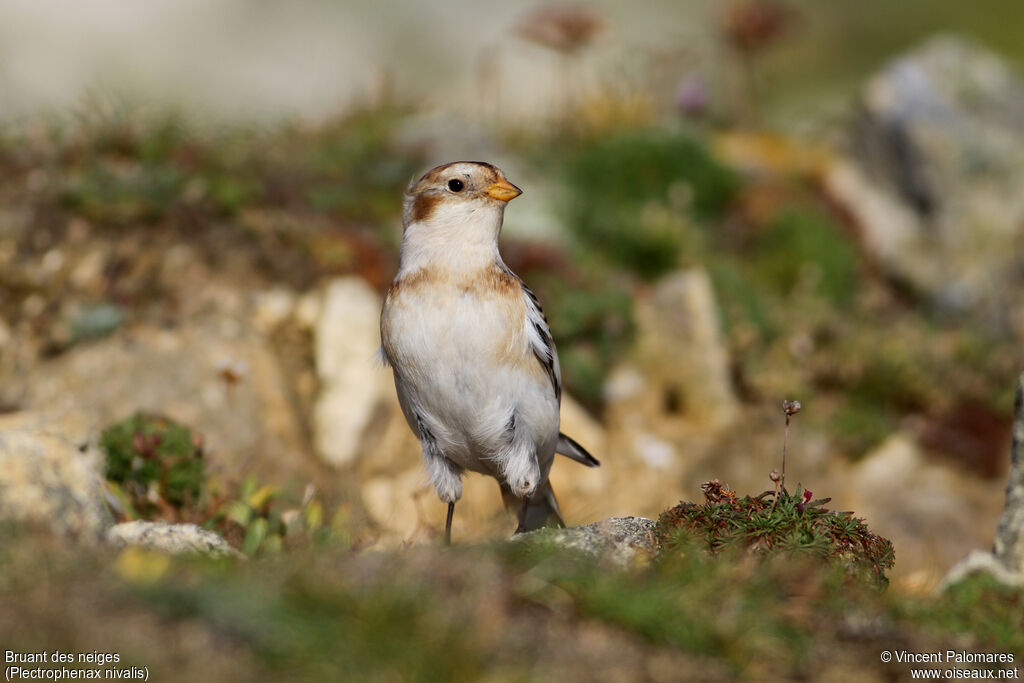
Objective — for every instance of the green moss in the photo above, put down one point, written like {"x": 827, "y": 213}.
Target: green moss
{"x": 794, "y": 524}
{"x": 154, "y": 460}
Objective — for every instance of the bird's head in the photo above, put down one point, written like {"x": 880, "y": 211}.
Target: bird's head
{"x": 455, "y": 211}
{"x": 456, "y": 192}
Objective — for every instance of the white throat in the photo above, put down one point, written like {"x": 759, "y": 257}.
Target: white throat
{"x": 458, "y": 237}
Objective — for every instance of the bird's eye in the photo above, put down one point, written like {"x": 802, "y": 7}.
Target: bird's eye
{"x": 455, "y": 185}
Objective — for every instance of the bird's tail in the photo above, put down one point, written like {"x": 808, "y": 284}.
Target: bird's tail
{"x": 568, "y": 447}
{"x": 541, "y": 511}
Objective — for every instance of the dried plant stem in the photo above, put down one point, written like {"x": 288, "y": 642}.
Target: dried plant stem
{"x": 789, "y": 408}
{"x": 785, "y": 439}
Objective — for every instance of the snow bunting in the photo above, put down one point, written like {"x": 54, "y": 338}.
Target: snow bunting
{"x": 474, "y": 363}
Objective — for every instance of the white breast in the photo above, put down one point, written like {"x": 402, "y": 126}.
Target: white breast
{"x": 462, "y": 355}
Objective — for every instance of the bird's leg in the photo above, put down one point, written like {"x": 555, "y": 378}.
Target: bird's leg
{"x": 522, "y": 515}
{"x": 448, "y": 525}
{"x": 445, "y": 475}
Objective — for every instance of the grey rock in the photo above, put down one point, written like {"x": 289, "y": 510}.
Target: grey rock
{"x": 94, "y": 322}
{"x": 176, "y": 539}
{"x": 1009, "y": 545}
{"x": 981, "y": 562}
{"x": 938, "y": 146}
{"x": 47, "y": 480}
{"x": 619, "y": 540}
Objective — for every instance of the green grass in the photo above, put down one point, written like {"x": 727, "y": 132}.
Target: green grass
{"x": 498, "y": 612}
{"x": 309, "y": 624}
{"x": 979, "y": 608}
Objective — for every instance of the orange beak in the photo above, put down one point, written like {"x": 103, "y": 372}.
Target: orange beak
{"x": 504, "y": 190}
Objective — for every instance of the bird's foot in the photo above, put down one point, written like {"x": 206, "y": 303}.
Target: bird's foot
{"x": 522, "y": 515}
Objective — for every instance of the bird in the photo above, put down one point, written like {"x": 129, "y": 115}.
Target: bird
{"x": 474, "y": 363}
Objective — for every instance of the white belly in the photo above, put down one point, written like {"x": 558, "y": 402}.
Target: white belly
{"x": 464, "y": 361}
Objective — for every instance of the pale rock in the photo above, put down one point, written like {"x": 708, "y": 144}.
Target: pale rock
{"x": 71, "y": 425}
{"x": 87, "y": 274}
{"x": 174, "y": 539}
{"x": 33, "y": 305}
{"x": 5, "y": 335}
{"x": 654, "y": 452}
{"x": 681, "y": 351}
{"x": 670, "y": 404}
{"x": 248, "y": 424}
{"x": 405, "y": 508}
{"x": 390, "y": 501}
{"x": 575, "y": 485}
{"x": 931, "y": 511}
{"x": 48, "y": 481}
{"x": 391, "y": 446}
{"x": 52, "y": 262}
{"x": 181, "y": 262}
{"x": 354, "y": 385}
{"x": 624, "y": 383}
{"x": 307, "y": 310}
{"x": 272, "y": 308}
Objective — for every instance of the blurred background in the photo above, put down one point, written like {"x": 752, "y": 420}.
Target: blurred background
{"x": 727, "y": 205}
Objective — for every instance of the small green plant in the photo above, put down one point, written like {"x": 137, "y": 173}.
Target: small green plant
{"x": 156, "y": 463}
{"x": 155, "y": 469}
{"x": 768, "y": 525}
{"x": 254, "y": 520}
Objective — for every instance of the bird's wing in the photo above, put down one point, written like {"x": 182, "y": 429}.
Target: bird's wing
{"x": 541, "y": 343}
